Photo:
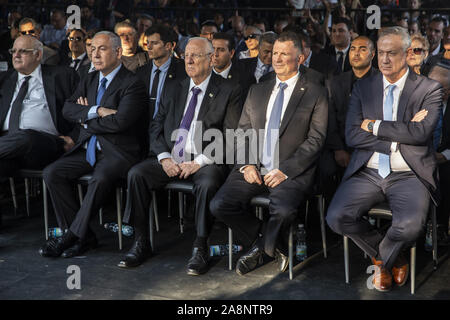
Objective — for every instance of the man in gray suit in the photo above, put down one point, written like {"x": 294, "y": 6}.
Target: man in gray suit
{"x": 390, "y": 122}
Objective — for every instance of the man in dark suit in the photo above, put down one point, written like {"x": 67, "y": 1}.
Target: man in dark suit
{"x": 390, "y": 122}
{"x": 163, "y": 69}
{"x": 291, "y": 114}
{"x": 33, "y": 132}
{"x": 204, "y": 101}
{"x": 77, "y": 56}
{"x": 336, "y": 154}
{"x": 340, "y": 43}
{"x": 441, "y": 73}
{"x": 106, "y": 106}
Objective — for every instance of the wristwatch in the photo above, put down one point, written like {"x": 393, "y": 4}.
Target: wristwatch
{"x": 370, "y": 126}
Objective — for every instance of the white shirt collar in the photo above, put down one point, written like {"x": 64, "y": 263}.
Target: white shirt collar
{"x": 224, "y": 73}
{"x": 436, "y": 51}
{"x": 290, "y": 82}
{"x": 202, "y": 85}
{"x": 37, "y": 74}
{"x": 80, "y": 57}
{"x": 344, "y": 51}
{"x": 110, "y": 76}
{"x": 400, "y": 83}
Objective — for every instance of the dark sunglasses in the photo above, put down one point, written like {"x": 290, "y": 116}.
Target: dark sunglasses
{"x": 418, "y": 50}
{"x": 75, "y": 38}
{"x": 28, "y": 32}
{"x": 251, "y": 36}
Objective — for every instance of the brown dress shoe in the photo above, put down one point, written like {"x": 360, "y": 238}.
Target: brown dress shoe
{"x": 400, "y": 270}
{"x": 382, "y": 279}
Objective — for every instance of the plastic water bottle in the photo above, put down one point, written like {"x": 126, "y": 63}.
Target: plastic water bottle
{"x": 127, "y": 231}
{"x": 55, "y": 232}
{"x": 429, "y": 237}
{"x": 222, "y": 250}
{"x": 301, "y": 249}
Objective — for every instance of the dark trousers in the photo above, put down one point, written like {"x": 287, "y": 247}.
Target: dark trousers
{"x": 28, "y": 149}
{"x": 443, "y": 210}
{"x": 409, "y": 202}
{"x": 149, "y": 175}
{"x": 60, "y": 177}
{"x": 232, "y": 206}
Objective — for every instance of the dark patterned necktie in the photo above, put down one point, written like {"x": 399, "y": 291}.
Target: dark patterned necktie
{"x": 16, "y": 109}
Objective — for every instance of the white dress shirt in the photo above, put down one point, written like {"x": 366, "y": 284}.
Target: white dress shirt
{"x": 201, "y": 159}
{"x": 396, "y": 159}
{"x": 35, "y": 111}
{"x": 259, "y": 71}
{"x": 224, "y": 73}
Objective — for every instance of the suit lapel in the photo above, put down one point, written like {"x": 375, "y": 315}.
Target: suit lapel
{"x": 377, "y": 87}
{"x": 211, "y": 92}
{"x": 92, "y": 87}
{"x": 294, "y": 103}
{"x": 115, "y": 84}
{"x": 181, "y": 101}
{"x": 263, "y": 97}
{"x": 410, "y": 85}
{"x": 50, "y": 92}
{"x": 8, "y": 89}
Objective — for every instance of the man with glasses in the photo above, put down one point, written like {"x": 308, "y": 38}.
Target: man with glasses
{"x": 188, "y": 109}
{"x": 33, "y": 132}
{"x": 77, "y": 56}
{"x": 28, "y": 26}
{"x": 133, "y": 56}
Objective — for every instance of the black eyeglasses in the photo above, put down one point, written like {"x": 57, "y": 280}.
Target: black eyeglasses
{"x": 251, "y": 36}
{"x": 418, "y": 50}
{"x": 32, "y": 31}
{"x": 75, "y": 38}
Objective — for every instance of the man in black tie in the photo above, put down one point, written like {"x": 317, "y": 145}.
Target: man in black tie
{"x": 390, "y": 122}
{"x": 107, "y": 107}
{"x": 291, "y": 114}
{"x": 202, "y": 102}
{"x": 77, "y": 57}
{"x": 33, "y": 132}
{"x": 340, "y": 43}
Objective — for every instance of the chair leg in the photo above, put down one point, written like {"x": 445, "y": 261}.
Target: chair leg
{"x": 291, "y": 252}
{"x": 322, "y": 224}
{"x": 119, "y": 217}
{"x": 155, "y": 210}
{"x": 346, "y": 262}
{"x": 100, "y": 216}
{"x": 181, "y": 209}
{"x": 230, "y": 249}
{"x": 27, "y": 195}
{"x": 434, "y": 235}
{"x": 80, "y": 194}
{"x": 44, "y": 195}
{"x": 13, "y": 194}
{"x": 169, "y": 205}
{"x": 413, "y": 268}
{"x": 151, "y": 215}
{"x": 306, "y": 214}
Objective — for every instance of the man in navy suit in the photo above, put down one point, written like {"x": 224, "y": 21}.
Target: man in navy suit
{"x": 390, "y": 122}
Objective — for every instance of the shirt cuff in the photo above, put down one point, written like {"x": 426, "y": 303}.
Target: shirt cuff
{"x": 203, "y": 160}
{"x": 164, "y": 155}
{"x": 241, "y": 169}
{"x": 446, "y": 154}
{"x": 375, "y": 127}
{"x": 92, "y": 114}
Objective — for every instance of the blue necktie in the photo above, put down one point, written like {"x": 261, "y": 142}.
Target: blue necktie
{"x": 90, "y": 152}
{"x": 384, "y": 164}
{"x": 273, "y": 129}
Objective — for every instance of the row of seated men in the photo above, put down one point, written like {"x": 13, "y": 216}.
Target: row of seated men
{"x": 98, "y": 126}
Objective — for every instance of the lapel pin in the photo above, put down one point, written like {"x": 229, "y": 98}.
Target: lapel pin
{"x": 229, "y": 76}
{"x": 170, "y": 76}
{"x": 211, "y": 95}
{"x": 303, "y": 89}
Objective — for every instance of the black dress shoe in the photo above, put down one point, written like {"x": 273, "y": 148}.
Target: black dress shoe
{"x": 55, "y": 247}
{"x": 198, "y": 264}
{"x": 282, "y": 260}
{"x": 80, "y": 247}
{"x": 138, "y": 253}
{"x": 250, "y": 261}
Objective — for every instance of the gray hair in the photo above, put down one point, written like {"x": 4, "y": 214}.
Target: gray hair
{"x": 398, "y": 31}
{"x": 269, "y": 37}
{"x": 114, "y": 39}
{"x": 209, "y": 46}
{"x": 32, "y": 21}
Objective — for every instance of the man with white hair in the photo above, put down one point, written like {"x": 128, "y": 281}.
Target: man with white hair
{"x": 108, "y": 107}
{"x": 188, "y": 109}
{"x": 33, "y": 132}
{"x": 393, "y": 158}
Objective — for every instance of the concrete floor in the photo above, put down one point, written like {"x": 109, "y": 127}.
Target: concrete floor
{"x": 24, "y": 274}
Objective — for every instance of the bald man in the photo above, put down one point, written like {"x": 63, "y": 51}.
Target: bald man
{"x": 202, "y": 101}
{"x": 33, "y": 131}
